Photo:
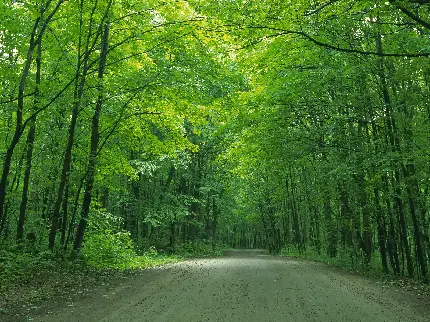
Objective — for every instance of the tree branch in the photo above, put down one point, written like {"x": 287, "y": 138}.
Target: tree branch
{"x": 321, "y": 7}
{"x": 15, "y": 99}
{"x": 411, "y": 15}
{"x": 283, "y": 32}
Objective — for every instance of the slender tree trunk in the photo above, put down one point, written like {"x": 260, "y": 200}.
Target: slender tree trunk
{"x": 289, "y": 184}
{"x": 64, "y": 175}
{"x": 393, "y": 140}
{"x": 29, "y": 147}
{"x": 94, "y": 143}
{"x": 39, "y": 28}
{"x": 346, "y": 217}
{"x": 74, "y": 213}
{"x": 286, "y": 223}
{"x": 419, "y": 245}
{"x": 392, "y": 240}
{"x": 266, "y": 230}
{"x": 367, "y": 233}
{"x": 381, "y": 232}
{"x": 16, "y": 181}
{"x": 208, "y": 216}
{"x": 214, "y": 222}
{"x": 19, "y": 116}
{"x": 317, "y": 230}
{"x": 81, "y": 73}
{"x": 332, "y": 229}
{"x": 403, "y": 224}
{"x": 65, "y": 216}
{"x": 416, "y": 205}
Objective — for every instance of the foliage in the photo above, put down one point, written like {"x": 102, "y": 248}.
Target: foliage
{"x": 183, "y": 125}
{"x": 200, "y": 249}
{"x": 108, "y": 246}
{"x": 374, "y": 268}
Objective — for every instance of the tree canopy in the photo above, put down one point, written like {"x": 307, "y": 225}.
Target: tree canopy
{"x": 301, "y": 127}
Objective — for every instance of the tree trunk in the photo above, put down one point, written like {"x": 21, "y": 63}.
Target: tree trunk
{"x": 65, "y": 216}
{"x": 332, "y": 229}
{"x": 392, "y": 134}
{"x": 36, "y": 35}
{"x": 381, "y": 232}
{"x": 214, "y": 222}
{"x": 29, "y": 147}
{"x": 81, "y": 73}
{"x": 94, "y": 143}
{"x": 367, "y": 233}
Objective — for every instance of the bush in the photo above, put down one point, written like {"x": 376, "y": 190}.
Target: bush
{"x": 108, "y": 249}
{"x": 108, "y": 246}
{"x": 198, "y": 249}
{"x": 105, "y": 246}
{"x": 16, "y": 267}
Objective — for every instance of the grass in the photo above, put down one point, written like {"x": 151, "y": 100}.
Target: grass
{"x": 342, "y": 260}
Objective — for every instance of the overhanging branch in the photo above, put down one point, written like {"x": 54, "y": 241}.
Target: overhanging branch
{"x": 410, "y": 14}
{"x": 283, "y": 32}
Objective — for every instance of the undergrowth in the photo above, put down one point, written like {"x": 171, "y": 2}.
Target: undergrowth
{"x": 198, "y": 249}
{"x": 108, "y": 248}
{"x": 101, "y": 256}
{"x": 345, "y": 259}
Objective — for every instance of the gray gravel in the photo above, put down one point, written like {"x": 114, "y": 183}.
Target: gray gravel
{"x": 245, "y": 286}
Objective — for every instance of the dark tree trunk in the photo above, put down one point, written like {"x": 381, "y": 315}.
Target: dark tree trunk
{"x": 94, "y": 143}
{"x": 392, "y": 134}
{"x": 346, "y": 217}
{"x": 392, "y": 239}
{"x": 214, "y": 222}
{"x": 65, "y": 216}
{"x": 81, "y": 73}
{"x": 419, "y": 245}
{"x": 332, "y": 229}
{"x": 367, "y": 233}
{"x": 74, "y": 213}
{"x": 29, "y": 149}
{"x": 36, "y": 35}
{"x": 403, "y": 225}
{"x": 381, "y": 232}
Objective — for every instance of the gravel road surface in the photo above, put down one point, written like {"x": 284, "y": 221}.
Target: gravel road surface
{"x": 244, "y": 286}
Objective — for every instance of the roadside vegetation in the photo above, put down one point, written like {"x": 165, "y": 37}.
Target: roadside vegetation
{"x": 139, "y": 133}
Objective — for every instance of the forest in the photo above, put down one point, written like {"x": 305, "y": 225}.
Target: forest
{"x": 130, "y": 128}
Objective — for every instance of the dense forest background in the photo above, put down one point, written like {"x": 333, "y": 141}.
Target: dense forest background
{"x": 133, "y": 126}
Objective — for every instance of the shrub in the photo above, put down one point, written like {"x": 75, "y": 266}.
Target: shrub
{"x": 106, "y": 244}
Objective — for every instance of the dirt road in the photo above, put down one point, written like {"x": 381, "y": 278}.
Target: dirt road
{"x": 244, "y": 286}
